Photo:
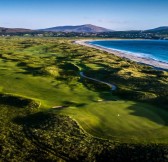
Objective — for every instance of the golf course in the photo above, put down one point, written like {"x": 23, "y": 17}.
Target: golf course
{"x": 54, "y": 93}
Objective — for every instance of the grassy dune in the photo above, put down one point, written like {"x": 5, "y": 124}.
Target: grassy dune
{"x": 46, "y": 71}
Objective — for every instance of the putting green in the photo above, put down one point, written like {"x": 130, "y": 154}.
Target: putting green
{"x": 122, "y": 120}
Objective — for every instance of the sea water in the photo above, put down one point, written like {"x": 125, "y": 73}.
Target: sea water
{"x": 149, "y": 49}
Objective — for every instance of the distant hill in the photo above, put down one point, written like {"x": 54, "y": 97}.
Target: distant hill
{"x": 88, "y": 28}
{"x": 14, "y": 30}
{"x": 159, "y": 29}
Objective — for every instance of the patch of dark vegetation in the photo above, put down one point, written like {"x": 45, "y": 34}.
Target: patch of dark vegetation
{"x": 18, "y": 78}
{"x": 69, "y": 66}
{"x": 21, "y": 64}
{"x": 154, "y": 72}
{"x": 35, "y": 71}
{"x": 71, "y": 103}
{"x": 17, "y": 101}
{"x": 135, "y": 95}
{"x": 68, "y": 74}
{"x": 61, "y": 58}
{"x": 132, "y": 153}
{"x": 95, "y": 86}
{"x": 102, "y": 74}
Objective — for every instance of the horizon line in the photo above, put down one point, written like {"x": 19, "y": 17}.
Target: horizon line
{"x": 82, "y": 25}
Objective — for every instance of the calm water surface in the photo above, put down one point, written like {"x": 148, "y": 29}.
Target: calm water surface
{"x": 153, "y": 49}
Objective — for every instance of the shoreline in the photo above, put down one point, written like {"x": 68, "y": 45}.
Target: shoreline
{"x": 142, "y": 60}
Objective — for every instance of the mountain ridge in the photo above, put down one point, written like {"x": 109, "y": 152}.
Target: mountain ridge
{"x": 14, "y": 30}
{"x": 87, "y": 28}
{"x": 161, "y": 28}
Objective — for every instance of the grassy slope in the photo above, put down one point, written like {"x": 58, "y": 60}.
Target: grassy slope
{"x": 137, "y": 121}
{"x": 123, "y": 121}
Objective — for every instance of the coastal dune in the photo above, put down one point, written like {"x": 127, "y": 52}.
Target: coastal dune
{"x": 142, "y": 60}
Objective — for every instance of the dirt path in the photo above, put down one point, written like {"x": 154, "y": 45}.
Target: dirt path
{"x": 112, "y": 86}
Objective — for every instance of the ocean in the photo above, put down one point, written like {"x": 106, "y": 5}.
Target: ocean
{"x": 150, "y": 49}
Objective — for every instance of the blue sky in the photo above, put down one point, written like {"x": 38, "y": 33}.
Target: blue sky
{"x": 112, "y": 14}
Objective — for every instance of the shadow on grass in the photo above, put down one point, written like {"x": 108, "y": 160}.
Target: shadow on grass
{"x": 35, "y": 71}
{"x": 103, "y": 90}
{"x": 71, "y": 103}
{"x": 157, "y": 115}
{"x": 36, "y": 120}
{"x": 16, "y": 101}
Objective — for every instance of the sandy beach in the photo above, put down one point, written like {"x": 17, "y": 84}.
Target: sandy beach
{"x": 151, "y": 62}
